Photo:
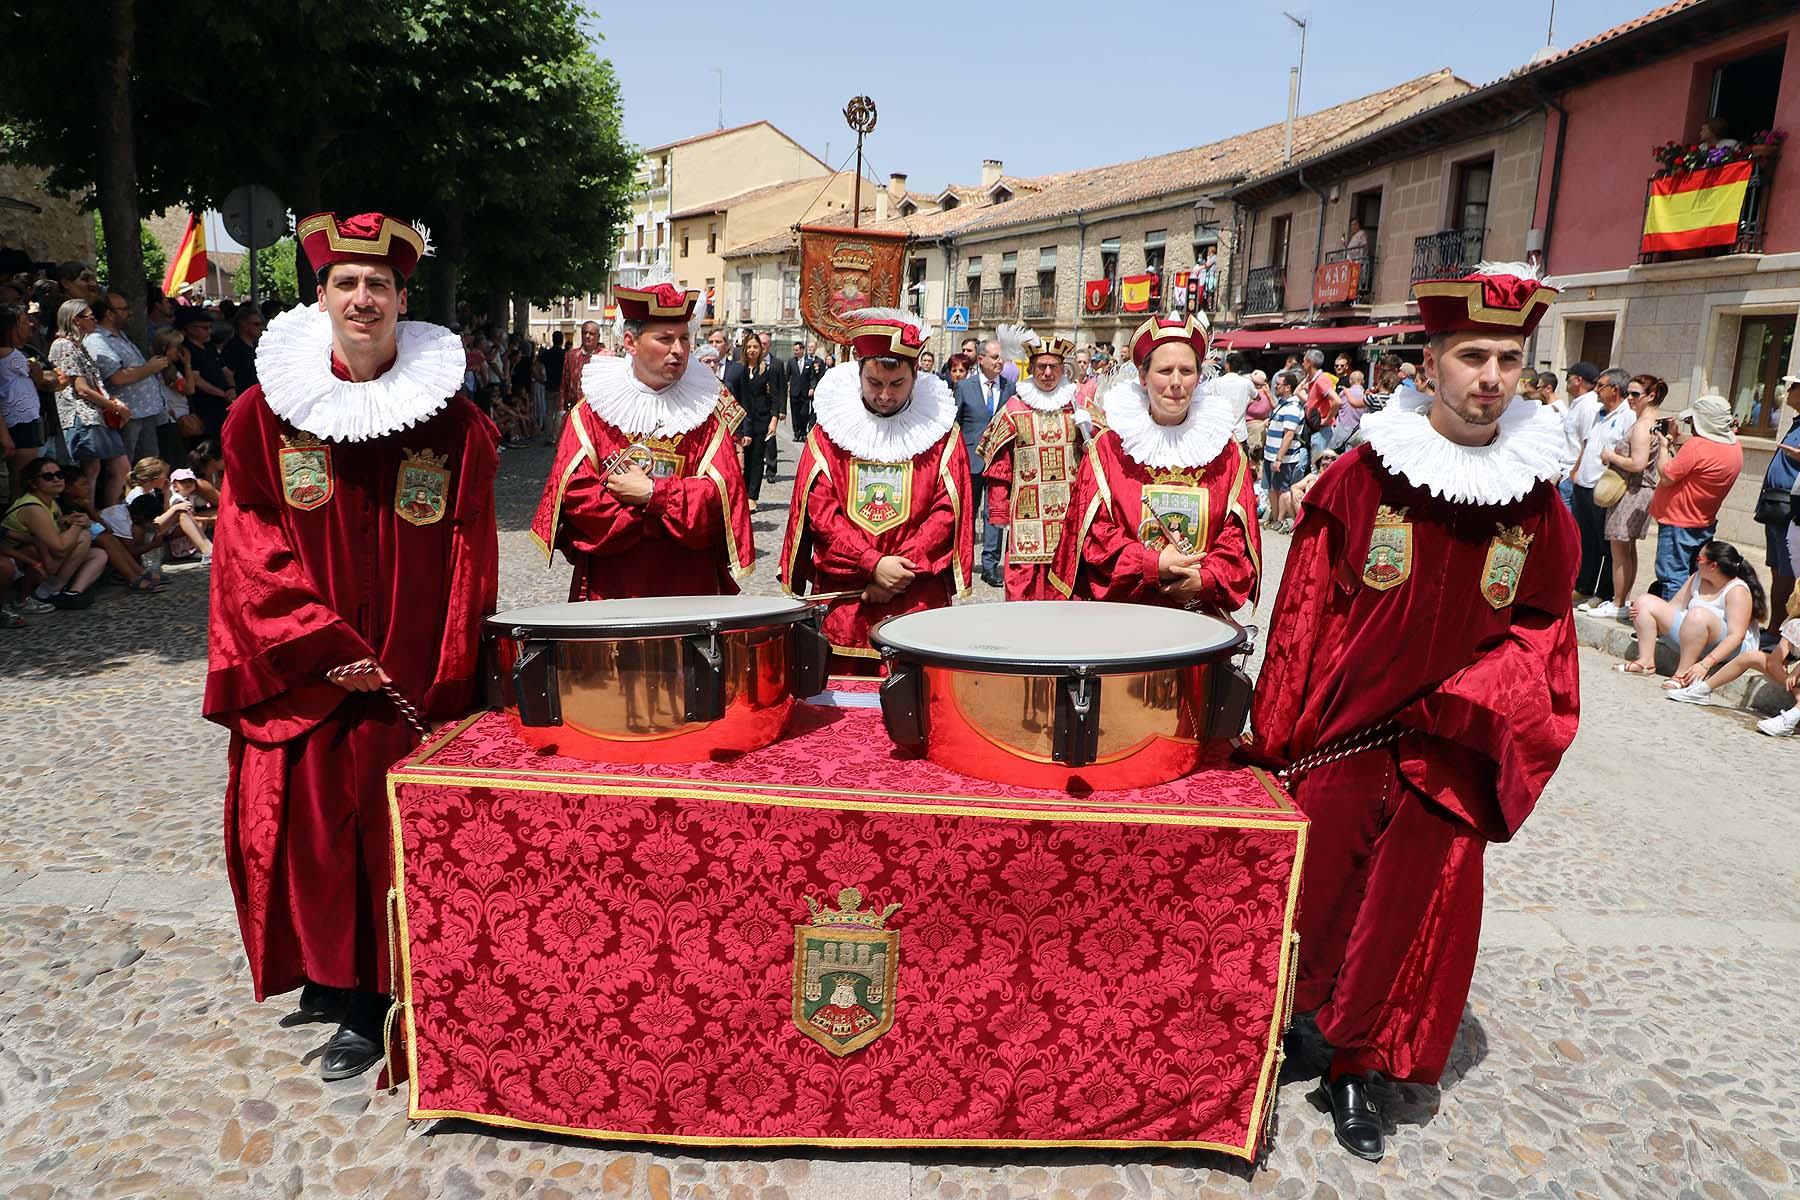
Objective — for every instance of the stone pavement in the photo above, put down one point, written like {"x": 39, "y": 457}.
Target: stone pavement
{"x": 1631, "y": 1032}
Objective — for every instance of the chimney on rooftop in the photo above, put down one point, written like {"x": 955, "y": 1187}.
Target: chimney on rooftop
{"x": 990, "y": 173}
{"x": 896, "y": 189}
{"x": 881, "y": 204}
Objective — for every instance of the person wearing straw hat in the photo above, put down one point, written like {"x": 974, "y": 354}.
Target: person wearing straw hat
{"x": 1697, "y": 468}
{"x": 354, "y": 559}
{"x": 882, "y": 518}
{"x": 1421, "y": 685}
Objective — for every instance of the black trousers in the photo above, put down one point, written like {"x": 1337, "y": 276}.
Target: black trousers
{"x": 1596, "y": 555}
{"x": 758, "y": 454}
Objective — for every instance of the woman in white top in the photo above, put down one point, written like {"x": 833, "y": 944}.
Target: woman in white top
{"x": 1714, "y": 617}
{"x": 1781, "y": 663}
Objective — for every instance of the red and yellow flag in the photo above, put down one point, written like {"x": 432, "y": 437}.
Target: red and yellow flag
{"x": 189, "y": 263}
{"x": 1135, "y": 291}
{"x": 1094, "y": 293}
{"x": 1690, "y": 210}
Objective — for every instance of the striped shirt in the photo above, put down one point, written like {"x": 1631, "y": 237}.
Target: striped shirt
{"x": 1290, "y": 413}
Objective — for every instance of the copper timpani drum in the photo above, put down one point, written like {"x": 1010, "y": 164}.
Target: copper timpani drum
{"x": 656, "y": 680}
{"x": 1074, "y": 696}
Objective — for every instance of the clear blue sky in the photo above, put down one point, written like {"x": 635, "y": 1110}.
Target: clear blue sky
{"x": 1049, "y": 86}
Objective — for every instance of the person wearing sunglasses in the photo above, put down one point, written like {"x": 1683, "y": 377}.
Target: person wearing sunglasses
{"x": 61, "y": 545}
{"x": 1635, "y": 458}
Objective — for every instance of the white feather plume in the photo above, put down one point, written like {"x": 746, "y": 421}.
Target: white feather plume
{"x": 1016, "y": 340}
{"x": 1523, "y": 270}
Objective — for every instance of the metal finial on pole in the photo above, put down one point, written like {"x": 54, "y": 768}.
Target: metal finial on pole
{"x": 860, "y": 115}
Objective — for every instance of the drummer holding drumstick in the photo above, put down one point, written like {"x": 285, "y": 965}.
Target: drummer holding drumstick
{"x": 882, "y": 516}
{"x": 1164, "y": 506}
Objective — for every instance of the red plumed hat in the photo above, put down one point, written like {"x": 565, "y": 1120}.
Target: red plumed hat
{"x": 1504, "y": 298}
{"x": 366, "y": 237}
{"x": 657, "y": 302}
{"x": 886, "y": 333}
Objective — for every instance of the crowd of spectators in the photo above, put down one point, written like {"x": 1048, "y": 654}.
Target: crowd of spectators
{"x": 92, "y": 421}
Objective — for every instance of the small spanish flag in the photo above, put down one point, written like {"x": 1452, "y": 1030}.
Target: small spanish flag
{"x": 189, "y": 263}
{"x": 1691, "y": 210}
{"x": 1135, "y": 292}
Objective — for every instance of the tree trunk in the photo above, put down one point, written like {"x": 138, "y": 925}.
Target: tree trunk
{"x": 521, "y": 316}
{"x": 116, "y": 162}
{"x": 444, "y": 264}
{"x": 305, "y": 201}
{"x": 498, "y": 309}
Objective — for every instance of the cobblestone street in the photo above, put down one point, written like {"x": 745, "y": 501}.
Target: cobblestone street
{"x": 1631, "y": 1032}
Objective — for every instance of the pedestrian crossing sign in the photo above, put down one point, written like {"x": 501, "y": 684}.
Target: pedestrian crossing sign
{"x": 956, "y": 317}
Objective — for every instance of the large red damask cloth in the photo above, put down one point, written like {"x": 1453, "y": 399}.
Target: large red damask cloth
{"x": 1387, "y": 613}
{"x": 1112, "y": 543}
{"x": 848, "y": 514}
{"x": 367, "y": 568}
{"x": 692, "y": 538}
{"x": 610, "y": 951}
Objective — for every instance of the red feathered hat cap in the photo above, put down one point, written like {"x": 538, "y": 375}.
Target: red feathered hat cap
{"x": 366, "y": 237}
{"x": 658, "y": 302}
{"x": 1483, "y": 302}
{"x": 886, "y": 337}
{"x": 1156, "y": 331}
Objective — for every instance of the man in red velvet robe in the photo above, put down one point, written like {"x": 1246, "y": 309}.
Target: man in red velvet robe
{"x": 355, "y": 547}
{"x": 881, "y": 510}
{"x": 1164, "y": 510}
{"x": 1032, "y": 449}
{"x": 1420, "y": 684}
{"x": 646, "y": 496}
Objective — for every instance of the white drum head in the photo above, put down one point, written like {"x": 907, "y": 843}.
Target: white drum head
{"x": 1058, "y": 636}
{"x": 648, "y": 616}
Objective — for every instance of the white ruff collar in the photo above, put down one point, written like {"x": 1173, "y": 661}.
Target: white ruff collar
{"x": 293, "y": 364}
{"x": 1528, "y": 449}
{"x": 1062, "y": 397}
{"x": 636, "y": 409}
{"x": 1193, "y": 443}
{"x": 838, "y": 408}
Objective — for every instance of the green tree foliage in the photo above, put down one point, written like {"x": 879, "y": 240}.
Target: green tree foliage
{"x": 275, "y": 276}
{"x": 156, "y": 263}
{"x": 491, "y": 121}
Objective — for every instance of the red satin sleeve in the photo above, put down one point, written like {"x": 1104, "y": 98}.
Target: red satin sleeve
{"x": 1486, "y": 740}
{"x": 1115, "y": 565}
{"x": 272, "y": 636}
{"x": 1228, "y": 572}
{"x": 931, "y": 544}
{"x": 1293, "y": 641}
{"x": 474, "y": 576}
{"x": 594, "y": 521}
{"x": 688, "y": 510}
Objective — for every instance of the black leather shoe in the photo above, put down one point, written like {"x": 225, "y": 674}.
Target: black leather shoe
{"x": 992, "y": 580}
{"x": 1357, "y": 1120}
{"x": 348, "y": 1054}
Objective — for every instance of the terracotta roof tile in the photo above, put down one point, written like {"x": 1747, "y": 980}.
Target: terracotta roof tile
{"x": 816, "y": 182}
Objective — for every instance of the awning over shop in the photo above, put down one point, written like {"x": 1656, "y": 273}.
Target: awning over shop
{"x": 1312, "y": 335}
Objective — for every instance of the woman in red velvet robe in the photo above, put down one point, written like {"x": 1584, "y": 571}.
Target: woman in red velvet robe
{"x": 1164, "y": 510}
{"x": 881, "y": 495}
{"x": 671, "y": 518}
{"x": 356, "y": 525}
{"x": 1424, "y": 614}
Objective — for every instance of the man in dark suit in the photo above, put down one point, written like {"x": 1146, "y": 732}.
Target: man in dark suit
{"x": 803, "y": 371}
{"x": 978, "y": 398}
{"x": 778, "y": 373}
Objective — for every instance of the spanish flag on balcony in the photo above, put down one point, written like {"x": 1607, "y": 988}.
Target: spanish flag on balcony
{"x": 1691, "y": 210}
{"x": 1135, "y": 292}
{"x": 189, "y": 264}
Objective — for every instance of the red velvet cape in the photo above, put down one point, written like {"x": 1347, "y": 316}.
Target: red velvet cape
{"x": 1488, "y": 700}
{"x": 297, "y": 591}
{"x": 693, "y": 537}
{"x": 1035, "y": 509}
{"x": 827, "y": 551}
{"x": 1110, "y": 553}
